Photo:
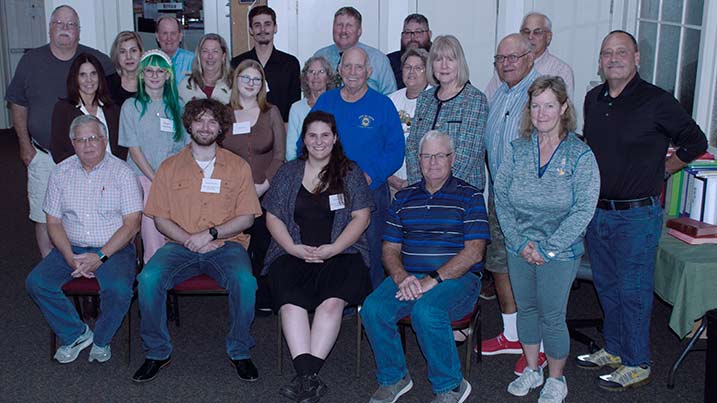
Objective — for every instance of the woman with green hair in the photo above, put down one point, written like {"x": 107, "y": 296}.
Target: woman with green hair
{"x": 151, "y": 127}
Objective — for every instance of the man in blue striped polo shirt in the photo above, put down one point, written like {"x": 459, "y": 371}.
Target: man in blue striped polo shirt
{"x": 433, "y": 249}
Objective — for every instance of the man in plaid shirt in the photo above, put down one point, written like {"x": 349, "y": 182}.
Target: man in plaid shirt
{"x": 93, "y": 206}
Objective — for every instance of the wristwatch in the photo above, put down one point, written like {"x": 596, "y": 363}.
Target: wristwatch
{"x": 214, "y": 233}
{"x": 434, "y": 275}
{"x": 103, "y": 257}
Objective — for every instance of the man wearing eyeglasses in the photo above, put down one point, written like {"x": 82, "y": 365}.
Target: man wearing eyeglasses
{"x": 513, "y": 63}
{"x": 415, "y": 34}
{"x": 433, "y": 248}
{"x": 40, "y": 80}
{"x": 93, "y": 207}
{"x": 282, "y": 69}
{"x": 537, "y": 29}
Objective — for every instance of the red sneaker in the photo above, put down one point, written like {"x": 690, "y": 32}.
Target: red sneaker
{"x": 522, "y": 363}
{"x": 500, "y": 345}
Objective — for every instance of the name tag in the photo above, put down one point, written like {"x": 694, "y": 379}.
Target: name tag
{"x": 241, "y": 127}
{"x": 166, "y": 125}
{"x": 267, "y": 86}
{"x": 210, "y": 185}
{"x": 336, "y": 202}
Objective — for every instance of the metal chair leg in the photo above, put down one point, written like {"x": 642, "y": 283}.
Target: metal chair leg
{"x": 358, "y": 341}
{"x": 279, "y": 347}
{"x": 676, "y": 365}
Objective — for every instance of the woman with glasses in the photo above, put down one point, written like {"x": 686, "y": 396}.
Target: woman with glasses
{"x": 317, "y": 209}
{"x": 125, "y": 53}
{"x": 413, "y": 67}
{"x": 454, "y": 107}
{"x": 258, "y": 136}
{"x": 546, "y": 191}
{"x": 151, "y": 127}
{"x": 317, "y": 77}
{"x": 86, "y": 95}
{"x": 210, "y": 72}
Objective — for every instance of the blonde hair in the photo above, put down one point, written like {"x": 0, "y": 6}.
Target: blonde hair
{"x": 264, "y": 106}
{"x": 557, "y": 86}
{"x": 447, "y": 45}
{"x": 197, "y": 75}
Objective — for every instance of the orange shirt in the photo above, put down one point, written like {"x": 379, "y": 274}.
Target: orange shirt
{"x": 176, "y": 195}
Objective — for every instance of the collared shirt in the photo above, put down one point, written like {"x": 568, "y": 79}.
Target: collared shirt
{"x": 546, "y": 64}
{"x": 176, "y": 193}
{"x": 283, "y": 78}
{"x": 432, "y": 228}
{"x": 182, "y": 64}
{"x": 504, "y": 115}
{"x": 381, "y": 78}
{"x": 630, "y": 134}
{"x": 92, "y": 204}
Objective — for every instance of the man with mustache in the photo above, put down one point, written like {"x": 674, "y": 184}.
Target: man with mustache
{"x": 346, "y": 33}
{"x": 629, "y": 123}
{"x": 282, "y": 69}
{"x": 415, "y": 34}
{"x": 40, "y": 79}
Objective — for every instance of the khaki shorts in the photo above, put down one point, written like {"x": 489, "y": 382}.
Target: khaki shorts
{"x": 496, "y": 258}
{"x": 38, "y": 174}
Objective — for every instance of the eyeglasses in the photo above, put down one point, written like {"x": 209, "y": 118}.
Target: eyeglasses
{"x": 149, "y": 72}
{"x": 408, "y": 34}
{"x": 418, "y": 69}
{"x": 499, "y": 59}
{"x": 440, "y": 157}
{"x": 65, "y": 24}
{"x": 316, "y": 72}
{"x": 250, "y": 80}
{"x": 535, "y": 32}
{"x": 87, "y": 140}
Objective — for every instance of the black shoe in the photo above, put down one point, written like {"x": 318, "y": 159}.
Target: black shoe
{"x": 313, "y": 388}
{"x": 292, "y": 389}
{"x": 246, "y": 370}
{"x": 150, "y": 369}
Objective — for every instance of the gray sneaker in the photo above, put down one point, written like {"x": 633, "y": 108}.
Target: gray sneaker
{"x": 67, "y": 354}
{"x": 391, "y": 393}
{"x": 554, "y": 391}
{"x": 452, "y": 396}
{"x": 597, "y": 360}
{"x": 530, "y": 379}
{"x": 100, "y": 354}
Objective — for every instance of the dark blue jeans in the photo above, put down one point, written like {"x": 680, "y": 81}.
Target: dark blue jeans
{"x": 374, "y": 233}
{"x": 115, "y": 276}
{"x": 622, "y": 245}
{"x": 229, "y": 266}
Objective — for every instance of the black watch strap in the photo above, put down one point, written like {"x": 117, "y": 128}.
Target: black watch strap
{"x": 214, "y": 233}
{"x": 434, "y": 275}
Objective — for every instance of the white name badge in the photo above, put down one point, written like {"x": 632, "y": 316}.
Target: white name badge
{"x": 166, "y": 125}
{"x": 336, "y": 202}
{"x": 241, "y": 127}
{"x": 210, "y": 185}
{"x": 267, "y": 86}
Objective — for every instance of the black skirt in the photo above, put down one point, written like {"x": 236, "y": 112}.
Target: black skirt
{"x": 293, "y": 281}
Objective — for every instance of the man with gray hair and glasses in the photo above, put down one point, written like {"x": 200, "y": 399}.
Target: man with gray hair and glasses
{"x": 538, "y": 30}
{"x": 415, "y": 35}
{"x": 93, "y": 207}
{"x": 40, "y": 80}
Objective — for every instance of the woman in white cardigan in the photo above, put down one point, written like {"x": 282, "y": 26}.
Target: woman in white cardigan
{"x": 210, "y": 72}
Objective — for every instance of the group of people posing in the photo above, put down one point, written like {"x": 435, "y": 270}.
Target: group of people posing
{"x": 367, "y": 192}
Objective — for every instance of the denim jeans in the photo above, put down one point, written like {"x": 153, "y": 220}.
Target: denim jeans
{"x": 430, "y": 316}
{"x": 115, "y": 277}
{"x": 374, "y": 233}
{"x": 229, "y": 266}
{"x": 622, "y": 245}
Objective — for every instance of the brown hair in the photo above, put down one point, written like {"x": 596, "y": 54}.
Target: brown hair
{"x": 264, "y": 106}
{"x": 195, "y": 108}
{"x": 557, "y": 85}
{"x": 73, "y": 83}
{"x": 121, "y": 38}
{"x": 331, "y": 177}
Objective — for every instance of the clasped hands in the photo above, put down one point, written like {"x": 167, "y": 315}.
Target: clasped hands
{"x": 412, "y": 288}
{"x": 531, "y": 255}
{"x": 314, "y": 254}
{"x": 85, "y": 265}
{"x": 202, "y": 242}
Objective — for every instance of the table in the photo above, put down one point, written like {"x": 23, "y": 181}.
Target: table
{"x": 686, "y": 278}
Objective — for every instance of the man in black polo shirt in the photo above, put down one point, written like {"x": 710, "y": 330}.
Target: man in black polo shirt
{"x": 281, "y": 69}
{"x": 629, "y": 123}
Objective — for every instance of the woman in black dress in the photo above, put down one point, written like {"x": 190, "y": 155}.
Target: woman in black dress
{"x": 318, "y": 209}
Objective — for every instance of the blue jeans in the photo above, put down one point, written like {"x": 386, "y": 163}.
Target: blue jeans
{"x": 430, "y": 316}
{"x": 229, "y": 266}
{"x": 622, "y": 245}
{"x": 374, "y": 233}
{"x": 115, "y": 277}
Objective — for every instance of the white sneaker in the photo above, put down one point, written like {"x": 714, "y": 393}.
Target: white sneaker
{"x": 554, "y": 391}
{"x": 530, "y": 379}
{"x": 69, "y": 353}
{"x": 101, "y": 354}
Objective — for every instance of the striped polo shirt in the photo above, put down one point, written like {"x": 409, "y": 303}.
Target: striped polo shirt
{"x": 432, "y": 228}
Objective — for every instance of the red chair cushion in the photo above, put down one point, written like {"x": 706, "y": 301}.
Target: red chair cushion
{"x": 82, "y": 286}
{"x": 462, "y": 322}
{"x": 201, "y": 282}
